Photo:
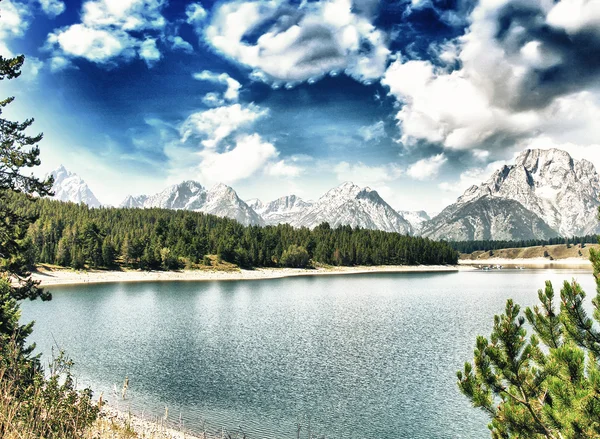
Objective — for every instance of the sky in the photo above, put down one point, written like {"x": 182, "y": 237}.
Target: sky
{"x": 418, "y": 99}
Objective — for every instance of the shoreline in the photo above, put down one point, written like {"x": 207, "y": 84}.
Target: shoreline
{"x": 61, "y": 277}
{"x": 530, "y": 262}
{"x": 111, "y": 421}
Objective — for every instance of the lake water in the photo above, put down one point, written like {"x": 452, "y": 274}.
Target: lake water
{"x": 356, "y": 356}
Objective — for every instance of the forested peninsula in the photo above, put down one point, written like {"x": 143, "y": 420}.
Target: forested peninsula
{"x": 76, "y": 236}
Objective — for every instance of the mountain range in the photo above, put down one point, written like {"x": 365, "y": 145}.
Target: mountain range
{"x": 544, "y": 194}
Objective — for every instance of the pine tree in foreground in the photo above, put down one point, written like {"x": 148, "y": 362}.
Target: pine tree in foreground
{"x": 546, "y": 385}
{"x": 32, "y": 405}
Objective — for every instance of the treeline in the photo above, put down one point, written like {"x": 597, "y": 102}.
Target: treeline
{"x": 472, "y": 246}
{"x": 73, "y": 235}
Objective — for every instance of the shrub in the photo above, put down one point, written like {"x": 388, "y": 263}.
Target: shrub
{"x": 295, "y": 256}
{"x": 33, "y": 406}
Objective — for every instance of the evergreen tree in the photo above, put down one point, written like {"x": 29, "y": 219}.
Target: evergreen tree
{"x": 18, "y": 152}
{"x": 546, "y": 385}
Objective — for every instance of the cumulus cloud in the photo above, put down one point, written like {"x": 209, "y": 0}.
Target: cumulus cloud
{"x": 58, "y": 63}
{"x": 522, "y": 62}
{"x": 283, "y": 168}
{"x": 111, "y": 30}
{"x": 249, "y": 154}
{"x": 96, "y": 45}
{"x": 149, "y": 51}
{"x": 14, "y": 21}
{"x": 216, "y": 124}
{"x": 233, "y": 87}
{"x": 298, "y": 44}
{"x": 52, "y": 8}
{"x": 428, "y": 168}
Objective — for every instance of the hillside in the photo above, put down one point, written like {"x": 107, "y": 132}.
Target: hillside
{"x": 555, "y": 252}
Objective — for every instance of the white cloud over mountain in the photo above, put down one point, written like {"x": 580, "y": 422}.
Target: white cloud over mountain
{"x": 427, "y": 168}
{"x": 215, "y": 124}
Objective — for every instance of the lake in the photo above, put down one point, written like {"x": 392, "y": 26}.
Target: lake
{"x": 353, "y": 356}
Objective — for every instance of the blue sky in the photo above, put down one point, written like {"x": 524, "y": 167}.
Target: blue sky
{"x": 417, "y": 99}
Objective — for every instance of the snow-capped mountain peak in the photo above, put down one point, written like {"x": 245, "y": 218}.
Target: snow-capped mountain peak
{"x": 68, "y": 186}
{"x": 348, "y": 204}
{"x": 563, "y": 192}
{"x": 220, "y": 200}
{"x": 280, "y": 211}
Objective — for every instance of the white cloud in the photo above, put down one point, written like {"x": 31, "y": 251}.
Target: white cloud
{"x": 110, "y": 30}
{"x": 318, "y": 38}
{"x": 96, "y": 45}
{"x": 574, "y": 15}
{"x": 372, "y": 132}
{"x": 179, "y": 43}
{"x": 249, "y": 155}
{"x": 213, "y": 99}
{"x": 195, "y": 13}
{"x": 52, "y": 8}
{"x": 31, "y": 68}
{"x": 127, "y": 15}
{"x": 14, "y": 21}
{"x": 427, "y": 168}
{"x": 58, "y": 63}
{"x": 501, "y": 93}
{"x": 217, "y": 123}
{"x": 282, "y": 168}
{"x": 233, "y": 87}
{"x": 149, "y": 52}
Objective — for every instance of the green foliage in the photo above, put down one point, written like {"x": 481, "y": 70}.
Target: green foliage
{"x": 546, "y": 385}
{"x": 70, "y": 234}
{"x": 18, "y": 151}
{"x": 31, "y": 404}
{"x": 35, "y": 406}
{"x": 295, "y": 256}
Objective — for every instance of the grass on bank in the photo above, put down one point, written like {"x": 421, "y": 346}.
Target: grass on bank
{"x": 38, "y": 405}
{"x": 550, "y": 252}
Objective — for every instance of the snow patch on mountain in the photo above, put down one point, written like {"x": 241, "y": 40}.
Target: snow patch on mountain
{"x": 221, "y": 200}
{"x": 284, "y": 210}
{"x": 562, "y": 191}
{"x": 415, "y": 218}
{"x": 71, "y": 187}
{"x": 351, "y": 205}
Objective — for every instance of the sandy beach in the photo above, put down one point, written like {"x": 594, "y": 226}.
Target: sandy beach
{"x": 50, "y": 277}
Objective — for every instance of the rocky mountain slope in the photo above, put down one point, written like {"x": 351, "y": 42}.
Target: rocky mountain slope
{"x": 416, "y": 219}
{"x": 545, "y": 193}
{"x": 71, "y": 187}
{"x": 283, "y": 210}
{"x": 547, "y": 186}
{"x": 221, "y": 200}
{"x": 562, "y": 191}
{"x": 351, "y": 205}
{"x": 487, "y": 218}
